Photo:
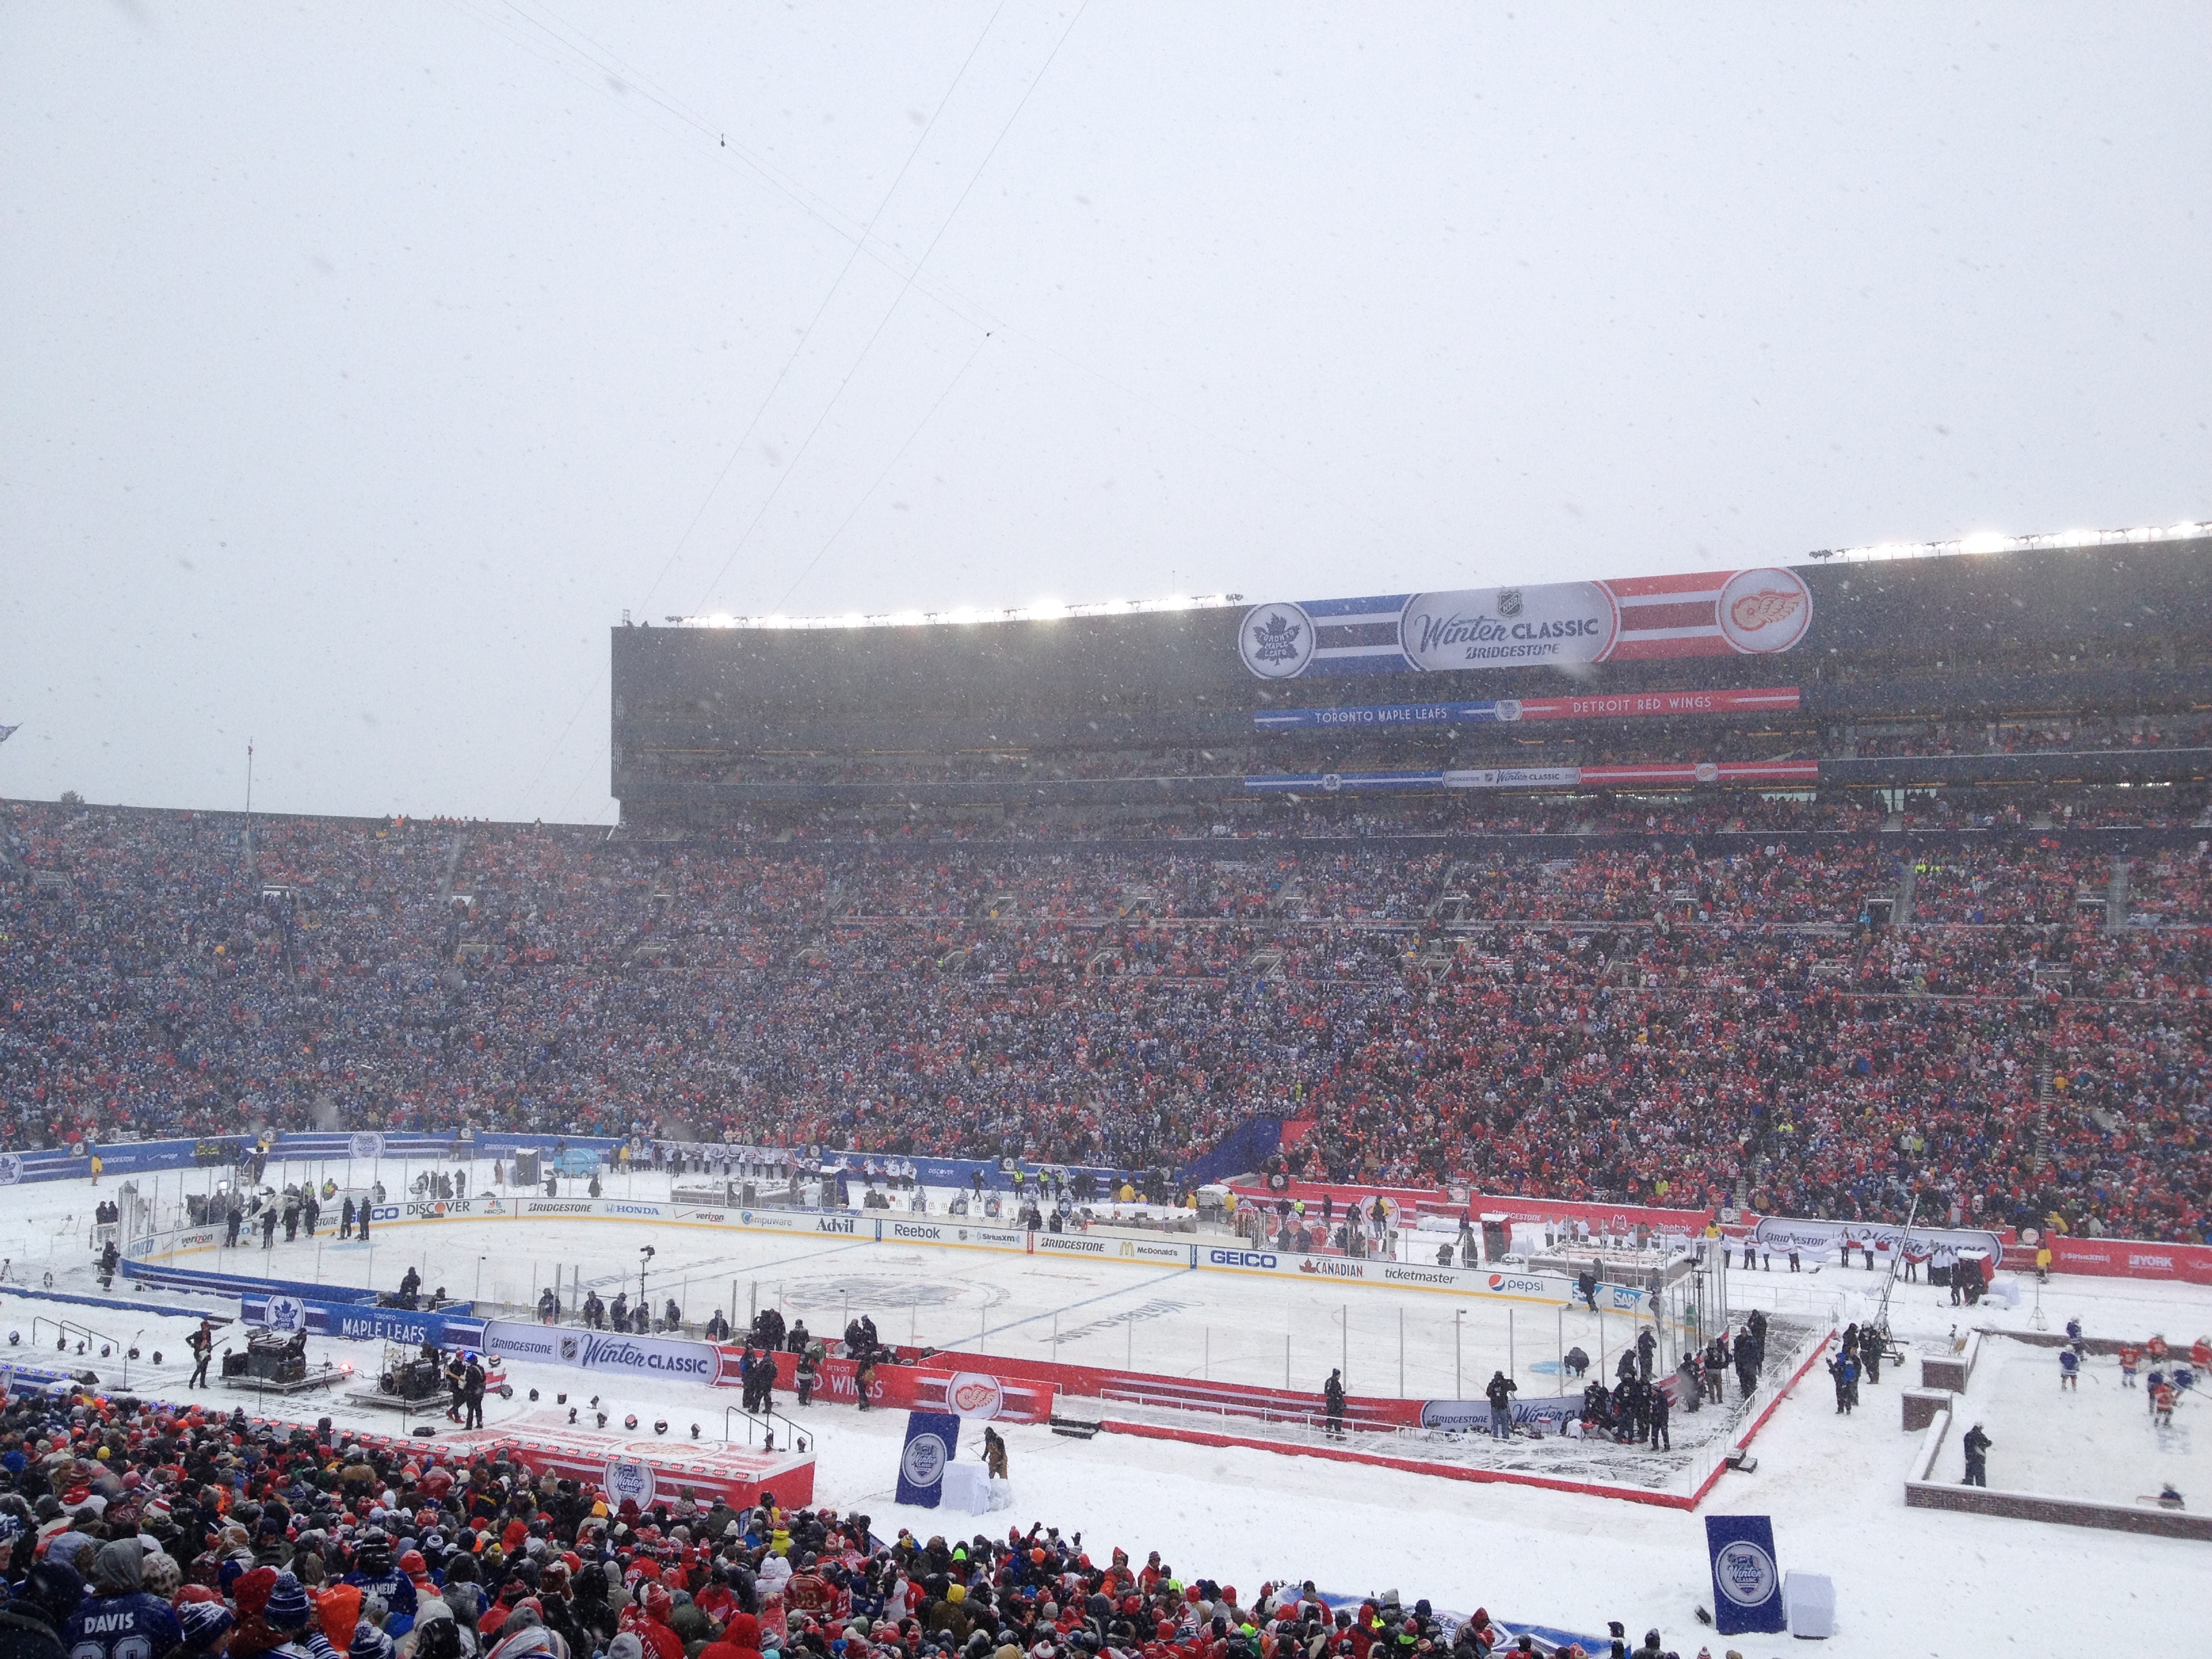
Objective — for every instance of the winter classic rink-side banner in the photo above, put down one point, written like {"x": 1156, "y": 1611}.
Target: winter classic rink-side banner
{"x": 1739, "y": 612}
{"x": 600, "y": 1351}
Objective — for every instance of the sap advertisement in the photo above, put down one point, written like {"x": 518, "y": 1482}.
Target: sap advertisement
{"x": 600, "y": 1351}
{"x": 1726, "y": 613}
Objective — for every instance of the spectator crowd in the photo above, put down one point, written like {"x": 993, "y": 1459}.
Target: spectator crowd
{"x": 1830, "y": 1027}
{"x": 133, "y": 1530}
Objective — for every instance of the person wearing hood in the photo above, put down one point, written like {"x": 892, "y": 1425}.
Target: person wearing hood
{"x": 438, "y": 1635}
{"x": 39, "y": 1606}
{"x": 121, "y": 1618}
{"x": 523, "y": 1636}
{"x": 337, "y": 1610}
{"x": 740, "y": 1639}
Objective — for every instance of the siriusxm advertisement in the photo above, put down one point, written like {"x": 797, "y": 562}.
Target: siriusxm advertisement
{"x": 1736, "y": 612}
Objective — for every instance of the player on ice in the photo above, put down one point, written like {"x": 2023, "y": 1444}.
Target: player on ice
{"x": 2070, "y": 1370}
{"x": 2161, "y": 1404}
{"x": 2131, "y": 1358}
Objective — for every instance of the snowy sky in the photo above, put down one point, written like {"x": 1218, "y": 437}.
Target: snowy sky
{"x": 358, "y": 366}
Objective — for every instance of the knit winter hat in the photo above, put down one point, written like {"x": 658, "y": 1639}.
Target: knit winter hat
{"x": 205, "y": 1623}
{"x": 288, "y": 1604}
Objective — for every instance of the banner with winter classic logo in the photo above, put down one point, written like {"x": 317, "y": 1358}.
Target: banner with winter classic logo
{"x": 932, "y": 1440}
{"x": 1747, "y": 1582}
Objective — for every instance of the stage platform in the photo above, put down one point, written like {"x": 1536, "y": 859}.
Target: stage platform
{"x": 640, "y": 1464}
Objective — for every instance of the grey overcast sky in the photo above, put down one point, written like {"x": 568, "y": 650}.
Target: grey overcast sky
{"x": 359, "y": 364}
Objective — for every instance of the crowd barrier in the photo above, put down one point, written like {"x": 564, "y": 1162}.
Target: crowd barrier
{"x": 129, "y": 1158}
{"x": 2110, "y": 1258}
{"x": 1245, "y": 1145}
{"x": 1615, "y": 1218}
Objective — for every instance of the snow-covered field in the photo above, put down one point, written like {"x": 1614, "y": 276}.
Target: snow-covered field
{"x": 1909, "y": 1582}
{"x": 2094, "y": 1441}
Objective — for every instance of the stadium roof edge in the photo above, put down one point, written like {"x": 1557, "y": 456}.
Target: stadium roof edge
{"x": 1982, "y": 543}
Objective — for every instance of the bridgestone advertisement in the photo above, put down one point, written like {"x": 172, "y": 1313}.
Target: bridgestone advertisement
{"x": 1782, "y": 1233}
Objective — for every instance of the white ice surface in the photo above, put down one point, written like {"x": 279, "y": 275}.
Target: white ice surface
{"x": 2094, "y": 1441}
{"x": 1910, "y": 1582}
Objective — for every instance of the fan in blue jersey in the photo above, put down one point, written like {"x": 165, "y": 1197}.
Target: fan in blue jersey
{"x": 121, "y": 1621}
{"x": 373, "y": 1572}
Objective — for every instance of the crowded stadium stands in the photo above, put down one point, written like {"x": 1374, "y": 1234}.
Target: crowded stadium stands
{"x": 2011, "y": 1026}
{"x": 133, "y": 1528}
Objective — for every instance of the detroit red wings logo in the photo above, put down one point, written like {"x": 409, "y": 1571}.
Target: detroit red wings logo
{"x": 1762, "y": 611}
{"x": 1763, "y": 608}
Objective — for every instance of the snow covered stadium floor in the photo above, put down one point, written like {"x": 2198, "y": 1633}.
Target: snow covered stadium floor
{"x": 1909, "y": 1582}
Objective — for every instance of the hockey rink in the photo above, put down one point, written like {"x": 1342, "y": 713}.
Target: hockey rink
{"x": 2095, "y": 1441}
{"x": 1107, "y": 1312}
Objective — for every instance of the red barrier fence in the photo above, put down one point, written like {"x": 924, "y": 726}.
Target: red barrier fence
{"x": 945, "y": 1385}
{"x": 2120, "y": 1258}
{"x": 2105, "y": 1258}
{"x": 1028, "y": 1389}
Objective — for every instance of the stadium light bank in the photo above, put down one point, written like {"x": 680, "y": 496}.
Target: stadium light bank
{"x": 1043, "y": 611}
{"x": 1982, "y": 542}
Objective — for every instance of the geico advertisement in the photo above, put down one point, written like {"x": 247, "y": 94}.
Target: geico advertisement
{"x": 596, "y": 1351}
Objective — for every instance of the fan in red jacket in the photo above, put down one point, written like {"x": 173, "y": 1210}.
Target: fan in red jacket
{"x": 740, "y": 1639}
{"x": 648, "y": 1618}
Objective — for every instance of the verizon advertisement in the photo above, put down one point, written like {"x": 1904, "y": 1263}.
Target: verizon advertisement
{"x": 598, "y": 1351}
{"x": 1739, "y": 612}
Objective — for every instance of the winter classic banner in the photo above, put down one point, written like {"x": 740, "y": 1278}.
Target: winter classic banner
{"x": 1742, "y": 612}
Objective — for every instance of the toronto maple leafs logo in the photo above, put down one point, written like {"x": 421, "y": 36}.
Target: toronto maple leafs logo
{"x": 1276, "y": 638}
{"x": 1277, "y": 641}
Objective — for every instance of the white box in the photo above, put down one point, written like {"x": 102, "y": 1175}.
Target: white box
{"x": 1808, "y": 1601}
